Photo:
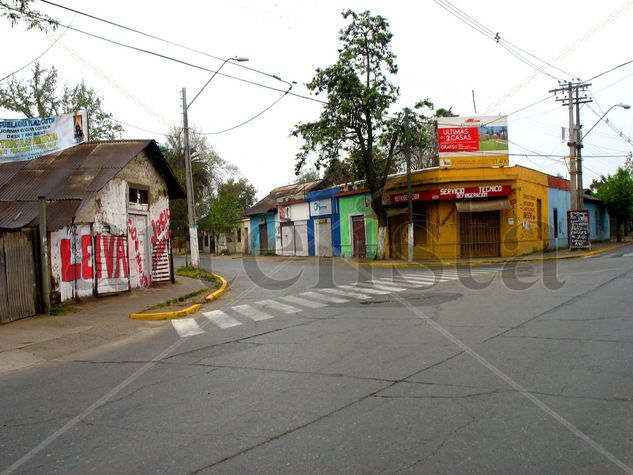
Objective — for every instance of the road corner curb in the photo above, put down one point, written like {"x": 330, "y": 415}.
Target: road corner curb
{"x": 167, "y": 315}
{"x": 185, "y": 311}
{"x": 219, "y": 292}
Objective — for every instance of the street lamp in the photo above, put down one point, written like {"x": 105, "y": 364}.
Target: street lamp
{"x": 579, "y": 189}
{"x": 191, "y": 209}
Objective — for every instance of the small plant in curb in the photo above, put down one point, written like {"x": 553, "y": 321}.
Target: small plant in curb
{"x": 201, "y": 274}
{"x": 177, "y": 300}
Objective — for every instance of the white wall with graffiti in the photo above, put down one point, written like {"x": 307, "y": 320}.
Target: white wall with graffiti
{"x": 116, "y": 244}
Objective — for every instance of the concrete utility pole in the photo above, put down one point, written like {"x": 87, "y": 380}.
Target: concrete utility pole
{"x": 407, "y": 151}
{"x": 574, "y": 95}
{"x": 191, "y": 209}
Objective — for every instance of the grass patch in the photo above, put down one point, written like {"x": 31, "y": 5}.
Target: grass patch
{"x": 201, "y": 274}
{"x": 182, "y": 298}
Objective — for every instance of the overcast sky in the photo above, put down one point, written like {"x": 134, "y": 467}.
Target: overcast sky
{"x": 439, "y": 57}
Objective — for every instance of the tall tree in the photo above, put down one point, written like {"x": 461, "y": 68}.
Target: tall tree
{"x": 17, "y": 11}
{"x": 356, "y": 122}
{"x": 209, "y": 170}
{"x": 39, "y": 97}
{"x": 617, "y": 193}
{"x": 227, "y": 205}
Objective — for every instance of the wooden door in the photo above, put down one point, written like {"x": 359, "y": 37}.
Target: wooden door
{"x": 263, "y": 239}
{"x": 358, "y": 237}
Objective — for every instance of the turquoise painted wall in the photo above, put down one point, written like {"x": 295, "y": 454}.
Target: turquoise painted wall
{"x": 557, "y": 199}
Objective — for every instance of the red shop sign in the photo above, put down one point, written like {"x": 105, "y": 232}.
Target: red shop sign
{"x": 468, "y": 192}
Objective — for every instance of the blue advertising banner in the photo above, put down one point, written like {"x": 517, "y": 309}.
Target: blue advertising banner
{"x": 25, "y": 139}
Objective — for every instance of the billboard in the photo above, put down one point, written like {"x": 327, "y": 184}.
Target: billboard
{"x": 465, "y": 142}
{"x": 25, "y": 139}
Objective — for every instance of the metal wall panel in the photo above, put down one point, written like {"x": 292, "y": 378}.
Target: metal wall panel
{"x": 19, "y": 277}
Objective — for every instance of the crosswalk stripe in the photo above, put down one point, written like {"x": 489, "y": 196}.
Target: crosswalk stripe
{"x": 388, "y": 281}
{"x": 355, "y": 295}
{"x": 251, "y": 312}
{"x": 278, "y": 306}
{"x": 221, "y": 319}
{"x": 186, "y": 327}
{"x": 391, "y": 288}
{"x": 430, "y": 278}
{"x": 303, "y": 302}
{"x": 325, "y": 298}
{"x": 367, "y": 291}
{"x": 416, "y": 282}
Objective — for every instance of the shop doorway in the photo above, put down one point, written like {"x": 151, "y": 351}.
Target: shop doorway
{"x": 287, "y": 239}
{"x": 324, "y": 237}
{"x": 358, "y": 237}
{"x": 480, "y": 235}
{"x": 398, "y": 235}
{"x": 263, "y": 239}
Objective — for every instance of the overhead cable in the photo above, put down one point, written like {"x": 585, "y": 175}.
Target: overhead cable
{"x": 185, "y": 63}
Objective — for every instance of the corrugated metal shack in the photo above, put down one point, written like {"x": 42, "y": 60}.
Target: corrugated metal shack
{"x": 107, "y": 207}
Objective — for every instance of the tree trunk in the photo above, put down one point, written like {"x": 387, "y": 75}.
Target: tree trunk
{"x": 381, "y": 215}
{"x": 381, "y": 250}
{"x": 618, "y": 229}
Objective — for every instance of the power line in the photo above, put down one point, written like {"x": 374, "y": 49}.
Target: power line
{"x": 34, "y": 60}
{"x": 477, "y": 26}
{"x": 158, "y": 38}
{"x": 610, "y": 70}
{"x": 185, "y": 63}
{"x": 252, "y": 118}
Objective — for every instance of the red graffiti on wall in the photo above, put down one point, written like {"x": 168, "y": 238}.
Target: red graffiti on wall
{"x": 111, "y": 247}
{"x": 134, "y": 236}
{"x": 160, "y": 236}
{"x": 76, "y": 270}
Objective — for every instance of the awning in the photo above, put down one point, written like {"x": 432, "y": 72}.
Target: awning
{"x": 476, "y": 206}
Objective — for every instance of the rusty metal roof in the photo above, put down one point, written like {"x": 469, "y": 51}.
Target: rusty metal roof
{"x": 293, "y": 192}
{"x": 73, "y": 175}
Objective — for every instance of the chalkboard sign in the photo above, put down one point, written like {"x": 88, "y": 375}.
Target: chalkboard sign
{"x": 579, "y": 232}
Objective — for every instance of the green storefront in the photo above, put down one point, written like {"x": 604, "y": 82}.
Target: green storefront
{"x": 359, "y": 227}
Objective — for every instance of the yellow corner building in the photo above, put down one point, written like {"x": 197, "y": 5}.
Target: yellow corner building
{"x": 476, "y": 212}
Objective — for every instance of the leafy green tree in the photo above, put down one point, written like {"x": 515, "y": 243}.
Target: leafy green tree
{"x": 38, "y": 97}
{"x": 101, "y": 124}
{"x": 227, "y": 205}
{"x": 617, "y": 193}
{"x": 17, "y": 11}
{"x": 311, "y": 174}
{"x": 357, "y": 123}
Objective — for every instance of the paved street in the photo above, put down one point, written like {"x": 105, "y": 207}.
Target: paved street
{"x": 329, "y": 367}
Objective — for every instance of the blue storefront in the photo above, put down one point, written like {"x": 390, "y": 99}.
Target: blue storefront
{"x": 262, "y": 233}
{"x": 324, "y": 236}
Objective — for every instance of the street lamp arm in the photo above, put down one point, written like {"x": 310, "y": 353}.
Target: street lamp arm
{"x": 234, "y": 58}
{"x": 623, "y": 106}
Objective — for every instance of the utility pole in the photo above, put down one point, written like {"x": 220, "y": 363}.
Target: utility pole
{"x": 573, "y": 95}
{"x": 407, "y": 151}
{"x": 191, "y": 209}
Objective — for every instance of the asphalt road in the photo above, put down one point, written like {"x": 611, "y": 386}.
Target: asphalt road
{"x": 516, "y": 368}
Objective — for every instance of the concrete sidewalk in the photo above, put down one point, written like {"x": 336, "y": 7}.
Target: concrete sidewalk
{"x": 88, "y": 324}
{"x": 596, "y": 249}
